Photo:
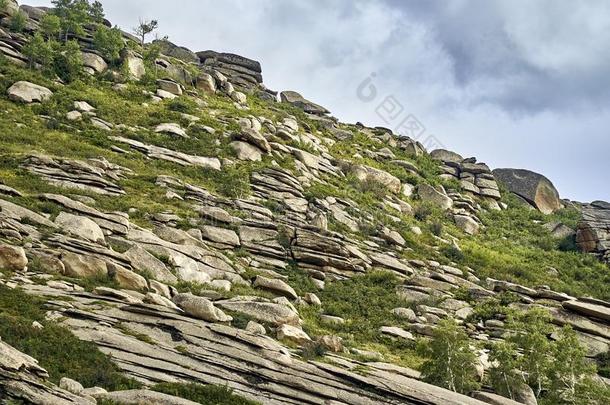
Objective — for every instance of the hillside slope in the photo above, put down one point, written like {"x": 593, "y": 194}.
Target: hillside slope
{"x": 169, "y": 220}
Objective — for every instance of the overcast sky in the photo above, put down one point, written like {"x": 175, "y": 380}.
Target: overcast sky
{"x": 516, "y": 83}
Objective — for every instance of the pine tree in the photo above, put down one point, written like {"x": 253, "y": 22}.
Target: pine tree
{"x": 38, "y": 51}
{"x": 108, "y": 42}
{"x": 144, "y": 28}
{"x": 50, "y": 26}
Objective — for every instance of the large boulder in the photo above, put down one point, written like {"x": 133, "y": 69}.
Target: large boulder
{"x": 200, "y": 308}
{"x": 429, "y": 194}
{"x": 536, "y": 189}
{"x": 179, "y": 52}
{"x": 445, "y": 155}
{"x": 27, "y": 92}
{"x": 593, "y": 234}
{"x": 10, "y": 8}
{"x": 134, "y": 64}
{"x": 276, "y": 286}
{"x": 82, "y": 227}
{"x": 378, "y": 176}
{"x": 263, "y": 311}
{"x": 81, "y": 266}
{"x": 297, "y": 100}
{"x": 94, "y": 63}
{"x": 12, "y": 258}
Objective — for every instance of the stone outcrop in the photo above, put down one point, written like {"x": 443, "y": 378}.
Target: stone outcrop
{"x": 475, "y": 179}
{"x": 534, "y": 188}
{"x": 593, "y": 233}
{"x": 96, "y": 175}
{"x": 27, "y": 92}
{"x": 241, "y": 71}
{"x": 297, "y": 100}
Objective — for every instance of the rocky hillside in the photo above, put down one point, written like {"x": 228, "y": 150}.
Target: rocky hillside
{"x": 173, "y": 232}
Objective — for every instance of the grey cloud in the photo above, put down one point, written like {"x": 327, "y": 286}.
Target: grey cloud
{"x": 514, "y": 82}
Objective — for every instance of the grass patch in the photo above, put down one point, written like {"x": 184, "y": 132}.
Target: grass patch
{"x": 57, "y": 350}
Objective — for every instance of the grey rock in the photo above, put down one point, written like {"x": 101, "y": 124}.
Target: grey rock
{"x": 276, "y": 286}
{"x": 536, "y": 189}
{"x": 200, "y": 308}
{"x": 27, "y": 92}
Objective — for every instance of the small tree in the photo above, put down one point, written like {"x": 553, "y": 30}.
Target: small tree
{"x": 144, "y": 28}
{"x": 570, "y": 375}
{"x": 504, "y": 375}
{"x": 38, "y": 51}
{"x": 109, "y": 42}
{"x": 73, "y": 14}
{"x": 50, "y": 26}
{"x": 18, "y": 21}
{"x": 451, "y": 364}
{"x": 96, "y": 12}
{"x": 69, "y": 61}
{"x": 531, "y": 331}
{"x": 150, "y": 54}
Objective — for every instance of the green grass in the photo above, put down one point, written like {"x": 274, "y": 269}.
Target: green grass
{"x": 365, "y": 302}
{"x": 58, "y": 351}
{"x": 515, "y": 247}
{"x": 203, "y": 394}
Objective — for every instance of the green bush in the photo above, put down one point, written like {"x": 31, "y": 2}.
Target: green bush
{"x": 57, "y": 350}
{"x": 69, "y": 61}
{"x": 109, "y": 43}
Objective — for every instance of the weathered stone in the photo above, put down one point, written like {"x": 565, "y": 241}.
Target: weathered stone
{"x": 294, "y": 98}
{"x": 70, "y": 385}
{"x": 81, "y": 266}
{"x": 292, "y": 334}
{"x": 141, "y": 397}
{"x": 142, "y": 260}
{"x": 588, "y": 309}
{"x": 206, "y": 83}
{"x": 12, "y": 258}
{"x": 27, "y": 92}
{"x": 405, "y": 313}
{"x": 269, "y": 312}
{"x": 220, "y": 235}
{"x": 95, "y": 62}
{"x": 331, "y": 343}
{"x": 254, "y": 138}
{"x": 256, "y": 327}
{"x": 200, "y": 308}
{"x": 172, "y": 129}
{"x": 246, "y": 151}
{"x": 467, "y": 224}
{"x": 396, "y": 332}
{"x": 431, "y": 195}
{"x": 446, "y": 156}
{"x": 371, "y": 174}
{"x": 82, "y": 227}
{"x": 536, "y": 189}
{"x": 127, "y": 278}
{"x": 276, "y": 286}
{"x": 170, "y": 86}
{"x": 134, "y": 64}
